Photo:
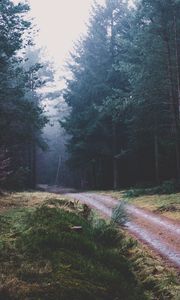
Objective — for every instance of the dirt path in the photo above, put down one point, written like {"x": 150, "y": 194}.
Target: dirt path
{"x": 159, "y": 233}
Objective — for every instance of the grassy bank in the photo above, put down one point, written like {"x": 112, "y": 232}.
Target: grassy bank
{"x": 44, "y": 256}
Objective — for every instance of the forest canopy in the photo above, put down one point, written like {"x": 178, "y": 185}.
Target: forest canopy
{"x": 123, "y": 94}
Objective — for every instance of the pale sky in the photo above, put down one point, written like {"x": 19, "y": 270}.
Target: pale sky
{"x": 60, "y": 23}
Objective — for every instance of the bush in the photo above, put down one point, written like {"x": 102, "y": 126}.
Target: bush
{"x": 106, "y": 234}
{"x": 132, "y": 193}
{"x": 119, "y": 214}
{"x": 167, "y": 187}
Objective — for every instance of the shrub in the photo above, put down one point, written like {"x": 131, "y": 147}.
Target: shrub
{"x": 167, "y": 187}
{"x": 132, "y": 193}
{"x": 119, "y": 214}
{"x": 106, "y": 234}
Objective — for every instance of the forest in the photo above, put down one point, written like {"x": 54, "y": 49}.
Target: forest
{"x": 122, "y": 90}
{"x": 21, "y": 116}
{"x": 90, "y": 150}
{"x": 124, "y": 95}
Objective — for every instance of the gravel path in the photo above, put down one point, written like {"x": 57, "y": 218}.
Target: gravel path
{"x": 158, "y": 232}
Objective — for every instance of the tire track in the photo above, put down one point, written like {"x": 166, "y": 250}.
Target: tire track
{"x": 153, "y": 230}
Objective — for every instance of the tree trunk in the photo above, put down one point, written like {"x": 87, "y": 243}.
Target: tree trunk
{"x": 114, "y": 135}
{"x": 174, "y": 107}
{"x": 34, "y": 180}
{"x": 58, "y": 170}
{"x": 156, "y": 152}
{"x": 115, "y": 161}
{"x": 178, "y": 158}
{"x": 94, "y": 179}
{"x": 115, "y": 174}
{"x": 178, "y": 93}
{"x": 177, "y": 63}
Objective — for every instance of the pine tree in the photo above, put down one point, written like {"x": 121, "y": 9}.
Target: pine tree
{"x": 155, "y": 77}
{"x": 20, "y": 118}
{"x": 97, "y": 89}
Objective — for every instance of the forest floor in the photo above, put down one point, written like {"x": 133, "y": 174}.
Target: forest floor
{"x": 153, "y": 220}
{"x": 43, "y": 256}
{"x": 33, "y": 266}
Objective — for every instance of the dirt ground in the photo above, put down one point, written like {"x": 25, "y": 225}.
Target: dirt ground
{"x": 159, "y": 233}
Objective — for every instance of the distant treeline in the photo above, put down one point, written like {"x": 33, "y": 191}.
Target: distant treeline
{"x": 124, "y": 94}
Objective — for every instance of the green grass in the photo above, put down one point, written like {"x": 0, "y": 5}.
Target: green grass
{"x": 41, "y": 257}
{"x": 159, "y": 280}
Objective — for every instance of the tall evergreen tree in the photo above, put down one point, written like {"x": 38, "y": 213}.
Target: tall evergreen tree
{"x": 155, "y": 84}
{"x": 20, "y": 118}
{"x": 124, "y": 94}
{"x": 97, "y": 88}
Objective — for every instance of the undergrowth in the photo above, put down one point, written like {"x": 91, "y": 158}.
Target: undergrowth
{"x": 166, "y": 188}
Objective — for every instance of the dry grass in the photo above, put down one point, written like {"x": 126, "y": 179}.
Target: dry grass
{"x": 167, "y": 205}
{"x": 161, "y": 282}
{"x": 115, "y": 194}
{"x": 26, "y": 199}
{"x": 42, "y": 258}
